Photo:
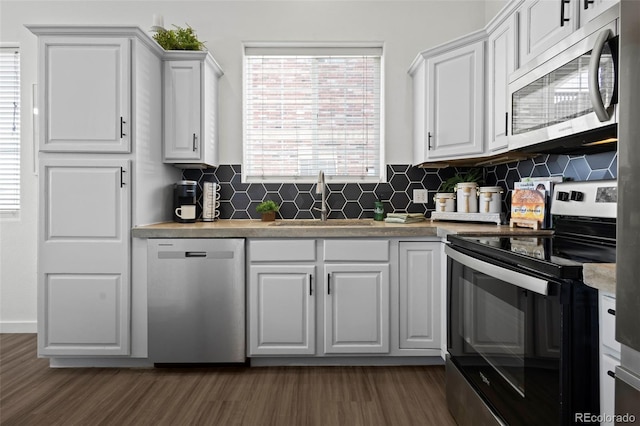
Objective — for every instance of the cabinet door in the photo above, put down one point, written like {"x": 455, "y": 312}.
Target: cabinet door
{"x": 83, "y": 277}
{"x": 501, "y": 63}
{"x": 356, "y": 308}
{"x": 455, "y": 87}
{"x": 420, "y": 283}
{"x": 543, "y": 23}
{"x": 85, "y": 94}
{"x": 282, "y": 310}
{"x": 590, "y": 9}
{"x": 183, "y": 109}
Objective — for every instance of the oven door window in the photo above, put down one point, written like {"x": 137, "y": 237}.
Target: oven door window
{"x": 494, "y": 326}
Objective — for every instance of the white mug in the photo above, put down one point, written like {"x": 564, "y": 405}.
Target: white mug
{"x": 186, "y": 212}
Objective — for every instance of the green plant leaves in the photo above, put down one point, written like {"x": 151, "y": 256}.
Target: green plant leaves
{"x": 178, "y": 39}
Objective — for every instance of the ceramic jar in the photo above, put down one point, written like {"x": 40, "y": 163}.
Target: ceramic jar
{"x": 467, "y": 197}
{"x": 490, "y": 199}
{"x": 445, "y": 201}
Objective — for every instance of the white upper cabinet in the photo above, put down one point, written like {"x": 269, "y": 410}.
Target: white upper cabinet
{"x": 543, "y": 23}
{"x": 501, "y": 61}
{"x": 448, "y": 101}
{"x": 191, "y": 109}
{"x": 86, "y": 98}
{"x": 589, "y": 9}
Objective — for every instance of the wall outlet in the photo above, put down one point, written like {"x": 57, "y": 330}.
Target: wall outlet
{"x": 420, "y": 196}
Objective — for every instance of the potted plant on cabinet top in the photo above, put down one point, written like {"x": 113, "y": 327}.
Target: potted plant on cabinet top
{"x": 178, "y": 39}
{"x": 268, "y": 209}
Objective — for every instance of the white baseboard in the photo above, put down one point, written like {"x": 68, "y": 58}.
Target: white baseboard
{"x": 18, "y": 327}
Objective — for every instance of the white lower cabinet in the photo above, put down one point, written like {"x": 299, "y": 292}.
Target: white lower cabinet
{"x": 356, "y": 309}
{"x": 420, "y": 287}
{"x": 84, "y": 257}
{"x": 282, "y": 303}
{"x": 344, "y": 297}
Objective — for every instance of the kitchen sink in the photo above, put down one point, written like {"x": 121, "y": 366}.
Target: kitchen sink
{"x": 316, "y": 222}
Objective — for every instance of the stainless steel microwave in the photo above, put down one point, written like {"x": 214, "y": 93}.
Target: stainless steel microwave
{"x": 569, "y": 93}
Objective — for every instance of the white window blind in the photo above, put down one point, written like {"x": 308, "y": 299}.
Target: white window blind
{"x": 9, "y": 129}
{"x": 312, "y": 108}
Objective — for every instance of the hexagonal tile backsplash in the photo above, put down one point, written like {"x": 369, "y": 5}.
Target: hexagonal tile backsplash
{"x": 355, "y": 200}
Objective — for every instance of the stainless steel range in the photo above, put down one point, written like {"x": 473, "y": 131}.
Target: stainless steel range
{"x": 522, "y": 326}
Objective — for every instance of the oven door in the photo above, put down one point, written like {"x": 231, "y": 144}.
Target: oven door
{"x": 505, "y": 336}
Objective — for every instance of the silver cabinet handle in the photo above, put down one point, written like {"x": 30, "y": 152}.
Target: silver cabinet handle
{"x": 562, "y": 18}
{"x": 517, "y": 279}
{"x": 594, "y": 85}
{"x": 195, "y": 142}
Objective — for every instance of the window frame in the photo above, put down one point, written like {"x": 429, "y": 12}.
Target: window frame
{"x": 315, "y": 48}
{"x": 14, "y": 213}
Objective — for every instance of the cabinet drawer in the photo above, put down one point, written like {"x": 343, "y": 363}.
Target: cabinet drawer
{"x": 607, "y": 386}
{"x": 358, "y": 250}
{"x": 282, "y": 250}
{"x": 608, "y": 322}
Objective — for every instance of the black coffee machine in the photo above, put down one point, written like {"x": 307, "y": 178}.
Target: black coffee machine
{"x": 184, "y": 201}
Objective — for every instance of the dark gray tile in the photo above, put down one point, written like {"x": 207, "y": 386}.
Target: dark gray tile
{"x": 336, "y": 214}
{"x": 417, "y": 208}
{"x": 400, "y": 201}
{"x": 431, "y": 181}
{"x": 399, "y": 168}
{"x": 256, "y": 192}
{"x": 384, "y": 191}
{"x": 240, "y": 201}
{"x": 336, "y": 187}
{"x": 240, "y": 214}
{"x": 525, "y": 168}
{"x": 557, "y": 163}
{"x": 305, "y": 214}
{"x": 352, "y": 210}
{"x": 236, "y": 183}
{"x": 613, "y": 169}
{"x": 367, "y": 200}
{"x": 226, "y": 210}
{"x": 336, "y": 201}
{"x": 237, "y": 168}
{"x": 540, "y": 170}
{"x": 192, "y": 174}
{"x": 352, "y": 191}
{"x": 306, "y": 187}
{"x": 577, "y": 169}
{"x": 288, "y": 192}
{"x": 540, "y": 159}
{"x": 415, "y": 174}
{"x": 399, "y": 182}
{"x": 288, "y": 210}
{"x": 304, "y": 201}
{"x": 512, "y": 176}
{"x": 273, "y": 196}
{"x": 600, "y": 161}
{"x": 251, "y": 210}
{"x": 367, "y": 186}
{"x": 226, "y": 191}
{"x": 366, "y": 214}
{"x": 600, "y": 174}
{"x": 209, "y": 171}
{"x": 224, "y": 173}
{"x": 272, "y": 187}
{"x": 446, "y": 173}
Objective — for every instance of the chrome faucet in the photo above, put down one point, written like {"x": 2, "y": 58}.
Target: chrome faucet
{"x": 321, "y": 189}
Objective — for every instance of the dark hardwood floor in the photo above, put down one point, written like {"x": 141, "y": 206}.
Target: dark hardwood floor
{"x": 31, "y": 393}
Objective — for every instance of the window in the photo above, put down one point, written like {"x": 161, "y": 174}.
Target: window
{"x": 310, "y": 108}
{"x": 9, "y": 129}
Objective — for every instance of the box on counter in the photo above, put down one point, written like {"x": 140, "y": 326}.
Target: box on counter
{"x": 531, "y": 199}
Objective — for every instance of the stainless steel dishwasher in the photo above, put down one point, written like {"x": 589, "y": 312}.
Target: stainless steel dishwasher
{"x": 196, "y": 299}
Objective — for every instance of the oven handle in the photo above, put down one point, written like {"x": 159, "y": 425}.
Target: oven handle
{"x": 524, "y": 281}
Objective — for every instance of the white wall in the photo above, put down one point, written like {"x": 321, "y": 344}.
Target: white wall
{"x": 406, "y": 27}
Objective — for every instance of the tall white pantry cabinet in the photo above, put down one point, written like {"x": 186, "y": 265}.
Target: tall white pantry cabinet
{"x": 100, "y": 173}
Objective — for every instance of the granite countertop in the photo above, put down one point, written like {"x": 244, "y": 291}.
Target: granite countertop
{"x": 238, "y": 228}
{"x": 600, "y": 275}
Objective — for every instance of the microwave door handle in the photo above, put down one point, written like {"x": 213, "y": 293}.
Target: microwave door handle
{"x": 512, "y": 277}
{"x": 594, "y": 85}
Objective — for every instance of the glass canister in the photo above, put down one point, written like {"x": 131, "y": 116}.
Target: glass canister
{"x": 445, "y": 201}
{"x": 467, "y": 197}
{"x": 490, "y": 199}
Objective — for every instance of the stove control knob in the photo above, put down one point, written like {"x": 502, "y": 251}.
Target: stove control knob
{"x": 576, "y": 196}
{"x": 562, "y": 196}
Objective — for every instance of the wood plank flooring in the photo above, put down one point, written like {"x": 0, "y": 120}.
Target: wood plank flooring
{"x": 31, "y": 393}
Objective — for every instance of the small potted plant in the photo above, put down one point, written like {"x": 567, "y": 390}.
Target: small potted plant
{"x": 268, "y": 209}
{"x": 178, "y": 39}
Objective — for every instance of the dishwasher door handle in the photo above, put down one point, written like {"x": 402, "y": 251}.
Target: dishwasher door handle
{"x": 195, "y": 254}
{"x": 182, "y": 254}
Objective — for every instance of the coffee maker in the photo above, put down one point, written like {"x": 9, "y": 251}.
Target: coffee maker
{"x": 184, "y": 201}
